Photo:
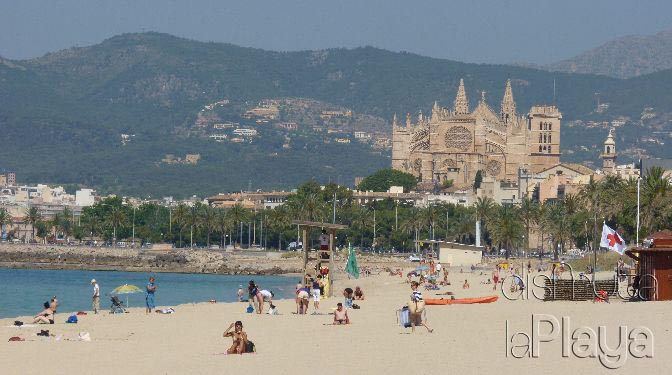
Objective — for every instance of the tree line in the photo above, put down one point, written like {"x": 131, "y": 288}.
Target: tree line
{"x": 558, "y": 224}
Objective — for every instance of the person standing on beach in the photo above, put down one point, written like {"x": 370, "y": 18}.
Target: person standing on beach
{"x": 149, "y": 298}
{"x": 316, "y": 291}
{"x": 96, "y": 296}
{"x": 416, "y": 314}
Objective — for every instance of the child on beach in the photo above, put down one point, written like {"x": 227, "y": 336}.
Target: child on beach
{"x": 241, "y": 294}
{"x": 316, "y": 293}
{"x": 465, "y": 285}
{"x": 341, "y": 315}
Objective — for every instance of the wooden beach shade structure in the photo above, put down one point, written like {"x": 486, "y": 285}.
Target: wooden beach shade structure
{"x": 331, "y": 229}
{"x": 654, "y": 266}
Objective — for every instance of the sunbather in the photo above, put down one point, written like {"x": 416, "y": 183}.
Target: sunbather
{"x": 239, "y": 345}
{"x": 45, "y": 317}
{"x": 341, "y": 315}
{"x": 359, "y": 293}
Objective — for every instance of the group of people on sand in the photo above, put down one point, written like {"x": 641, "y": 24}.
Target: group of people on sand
{"x": 257, "y": 297}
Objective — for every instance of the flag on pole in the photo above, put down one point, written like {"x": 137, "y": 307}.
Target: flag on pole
{"x": 352, "y": 268}
{"x": 612, "y": 240}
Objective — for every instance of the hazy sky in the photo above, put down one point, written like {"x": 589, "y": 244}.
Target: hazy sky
{"x": 537, "y": 31}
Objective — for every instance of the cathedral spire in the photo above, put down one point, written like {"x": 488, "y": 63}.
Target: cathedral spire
{"x": 461, "y": 106}
{"x": 408, "y": 120}
{"x": 394, "y": 119}
{"x": 508, "y": 109}
{"x": 435, "y": 110}
{"x": 420, "y": 116}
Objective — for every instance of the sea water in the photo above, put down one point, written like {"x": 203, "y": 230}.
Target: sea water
{"x": 23, "y": 292}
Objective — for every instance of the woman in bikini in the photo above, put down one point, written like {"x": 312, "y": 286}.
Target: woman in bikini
{"x": 45, "y": 317}
{"x": 239, "y": 337}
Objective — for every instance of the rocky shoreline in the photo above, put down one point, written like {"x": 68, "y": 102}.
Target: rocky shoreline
{"x": 136, "y": 260}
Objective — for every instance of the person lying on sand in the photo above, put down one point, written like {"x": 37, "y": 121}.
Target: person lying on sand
{"x": 341, "y": 315}
{"x": 45, "y": 317}
{"x": 239, "y": 345}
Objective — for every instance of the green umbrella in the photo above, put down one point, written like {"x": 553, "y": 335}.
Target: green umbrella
{"x": 352, "y": 268}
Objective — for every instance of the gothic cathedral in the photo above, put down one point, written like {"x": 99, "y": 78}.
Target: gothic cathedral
{"x": 455, "y": 144}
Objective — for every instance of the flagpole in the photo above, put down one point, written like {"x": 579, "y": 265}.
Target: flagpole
{"x": 594, "y": 248}
{"x": 639, "y": 180}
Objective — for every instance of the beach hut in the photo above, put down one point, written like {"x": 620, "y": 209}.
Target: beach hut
{"x": 460, "y": 255}
{"x": 654, "y": 266}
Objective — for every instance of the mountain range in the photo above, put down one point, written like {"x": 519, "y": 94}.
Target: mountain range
{"x": 624, "y": 57}
{"x": 62, "y": 115}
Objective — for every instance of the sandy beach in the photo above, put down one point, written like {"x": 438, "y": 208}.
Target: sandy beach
{"x": 467, "y": 339}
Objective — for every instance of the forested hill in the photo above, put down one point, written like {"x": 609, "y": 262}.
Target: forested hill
{"x": 64, "y": 112}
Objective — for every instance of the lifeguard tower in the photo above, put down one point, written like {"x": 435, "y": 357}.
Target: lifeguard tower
{"x": 325, "y": 258}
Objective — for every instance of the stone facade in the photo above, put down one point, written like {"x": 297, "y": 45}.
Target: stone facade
{"x": 455, "y": 144}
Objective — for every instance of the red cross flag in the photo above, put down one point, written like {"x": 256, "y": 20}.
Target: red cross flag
{"x": 612, "y": 240}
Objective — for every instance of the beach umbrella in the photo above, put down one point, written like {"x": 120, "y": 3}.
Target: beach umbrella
{"x": 352, "y": 268}
{"x": 126, "y": 289}
{"x": 422, "y": 268}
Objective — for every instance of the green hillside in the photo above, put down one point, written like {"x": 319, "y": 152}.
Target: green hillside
{"x": 61, "y": 115}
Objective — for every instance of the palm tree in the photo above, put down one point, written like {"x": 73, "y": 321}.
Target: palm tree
{"x": 483, "y": 209}
{"x": 655, "y": 197}
{"x": 180, "y": 218}
{"x": 194, "y": 220}
{"x": 208, "y": 221}
{"x": 558, "y": 224}
{"x": 91, "y": 222}
{"x": 431, "y": 214}
{"x": 591, "y": 194}
{"x": 224, "y": 226}
{"x": 413, "y": 224}
{"x": 33, "y": 215}
{"x": 238, "y": 215}
{"x": 116, "y": 218}
{"x": 5, "y": 219}
{"x": 507, "y": 229}
{"x": 529, "y": 215}
{"x": 311, "y": 207}
{"x": 361, "y": 220}
{"x": 277, "y": 220}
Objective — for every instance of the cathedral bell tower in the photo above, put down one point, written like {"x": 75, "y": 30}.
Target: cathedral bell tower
{"x": 507, "y": 112}
{"x": 609, "y": 153}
